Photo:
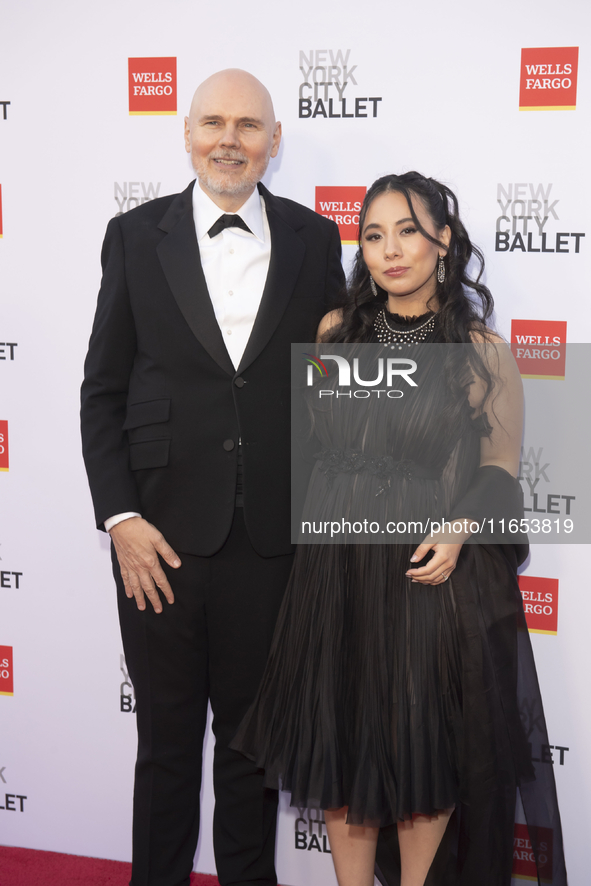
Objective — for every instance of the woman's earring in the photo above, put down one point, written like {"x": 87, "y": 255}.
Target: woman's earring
{"x": 440, "y": 270}
{"x": 373, "y": 286}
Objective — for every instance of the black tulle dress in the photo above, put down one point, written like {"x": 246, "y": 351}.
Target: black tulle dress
{"x": 394, "y": 698}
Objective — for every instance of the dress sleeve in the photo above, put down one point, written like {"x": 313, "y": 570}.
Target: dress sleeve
{"x": 494, "y": 498}
{"x": 503, "y": 406}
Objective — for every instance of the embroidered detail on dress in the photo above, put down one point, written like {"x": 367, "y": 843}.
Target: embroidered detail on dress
{"x": 352, "y": 461}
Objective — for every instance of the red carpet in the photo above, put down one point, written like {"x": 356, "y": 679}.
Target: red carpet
{"x": 30, "y": 867}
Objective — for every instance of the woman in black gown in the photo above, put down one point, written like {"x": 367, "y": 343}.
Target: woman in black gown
{"x": 400, "y": 694}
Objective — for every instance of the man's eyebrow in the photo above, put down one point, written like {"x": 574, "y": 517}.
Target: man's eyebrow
{"x": 205, "y": 117}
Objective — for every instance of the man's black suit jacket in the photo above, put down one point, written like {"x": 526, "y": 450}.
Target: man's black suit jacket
{"x": 163, "y": 408}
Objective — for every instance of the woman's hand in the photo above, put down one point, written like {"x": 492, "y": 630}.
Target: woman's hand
{"x": 445, "y": 554}
{"x": 439, "y": 567}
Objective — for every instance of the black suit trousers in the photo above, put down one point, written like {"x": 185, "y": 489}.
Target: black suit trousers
{"x": 211, "y": 643}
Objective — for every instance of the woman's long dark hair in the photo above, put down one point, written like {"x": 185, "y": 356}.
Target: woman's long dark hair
{"x": 465, "y": 304}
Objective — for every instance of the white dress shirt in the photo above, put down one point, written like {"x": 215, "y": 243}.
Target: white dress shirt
{"x": 235, "y": 264}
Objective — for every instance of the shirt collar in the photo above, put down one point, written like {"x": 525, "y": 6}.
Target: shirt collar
{"x": 206, "y": 213}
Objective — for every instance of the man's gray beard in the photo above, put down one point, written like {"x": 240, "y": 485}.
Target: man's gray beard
{"x": 234, "y": 188}
{"x": 244, "y": 185}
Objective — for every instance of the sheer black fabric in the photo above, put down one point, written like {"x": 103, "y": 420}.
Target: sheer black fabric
{"x": 394, "y": 698}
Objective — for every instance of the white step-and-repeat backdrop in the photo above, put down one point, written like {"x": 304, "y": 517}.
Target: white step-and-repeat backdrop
{"x": 492, "y": 99}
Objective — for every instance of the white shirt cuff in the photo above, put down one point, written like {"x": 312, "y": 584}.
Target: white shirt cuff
{"x": 119, "y": 518}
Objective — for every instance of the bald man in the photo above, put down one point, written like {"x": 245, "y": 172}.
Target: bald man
{"x": 186, "y": 437}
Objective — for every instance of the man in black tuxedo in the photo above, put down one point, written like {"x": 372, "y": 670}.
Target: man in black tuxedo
{"x": 186, "y": 436}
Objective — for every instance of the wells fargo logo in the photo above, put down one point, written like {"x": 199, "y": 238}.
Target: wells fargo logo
{"x": 539, "y": 347}
{"x": 152, "y": 86}
{"x": 540, "y": 603}
{"x": 549, "y": 79}
{"x": 342, "y": 205}
{"x": 3, "y": 445}
{"x": 6, "y": 673}
{"x": 524, "y": 861}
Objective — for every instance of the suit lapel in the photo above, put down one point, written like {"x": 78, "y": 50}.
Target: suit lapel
{"x": 287, "y": 255}
{"x": 179, "y": 256}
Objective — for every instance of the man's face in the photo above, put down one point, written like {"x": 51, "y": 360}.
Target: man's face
{"x": 231, "y": 134}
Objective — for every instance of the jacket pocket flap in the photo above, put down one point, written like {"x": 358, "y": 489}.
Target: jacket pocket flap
{"x": 149, "y": 454}
{"x": 149, "y": 412}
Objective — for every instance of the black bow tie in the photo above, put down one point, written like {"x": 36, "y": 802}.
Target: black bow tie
{"x": 228, "y": 221}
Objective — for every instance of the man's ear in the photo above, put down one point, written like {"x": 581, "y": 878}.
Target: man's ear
{"x": 187, "y": 136}
{"x": 276, "y": 139}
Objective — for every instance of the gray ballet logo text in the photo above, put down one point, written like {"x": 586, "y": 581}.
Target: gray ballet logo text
{"x": 126, "y": 692}
{"x": 7, "y": 350}
{"x": 128, "y": 195}
{"x": 534, "y": 474}
{"x": 324, "y": 90}
{"x": 527, "y": 221}
{"x": 10, "y": 579}
{"x": 10, "y": 802}
{"x": 310, "y": 829}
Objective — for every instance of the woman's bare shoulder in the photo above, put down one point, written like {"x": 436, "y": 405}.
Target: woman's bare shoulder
{"x": 496, "y": 354}
{"x": 484, "y": 335}
{"x": 328, "y": 322}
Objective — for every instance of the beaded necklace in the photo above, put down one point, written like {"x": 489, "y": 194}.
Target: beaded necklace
{"x": 388, "y": 336}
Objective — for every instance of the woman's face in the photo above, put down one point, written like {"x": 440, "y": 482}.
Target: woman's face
{"x": 398, "y": 257}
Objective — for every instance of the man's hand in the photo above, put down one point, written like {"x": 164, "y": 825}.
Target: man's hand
{"x": 138, "y": 544}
